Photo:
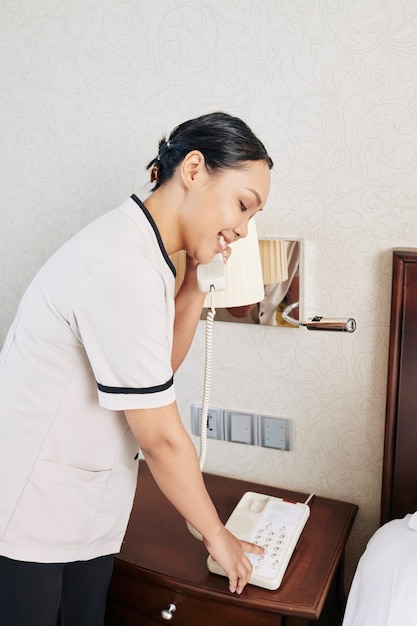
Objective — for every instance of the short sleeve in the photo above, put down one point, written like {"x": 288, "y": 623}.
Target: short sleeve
{"x": 123, "y": 315}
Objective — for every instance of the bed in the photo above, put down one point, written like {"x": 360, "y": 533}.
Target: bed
{"x": 384, "y": 589}
{"x": 399, "y": 482}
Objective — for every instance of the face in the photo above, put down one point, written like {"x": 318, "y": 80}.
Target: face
{"x": 219, "y": 206}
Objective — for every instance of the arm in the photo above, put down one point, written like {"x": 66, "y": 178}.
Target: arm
{"x": 172, "y": 459}
{"x": 188, "y": 304}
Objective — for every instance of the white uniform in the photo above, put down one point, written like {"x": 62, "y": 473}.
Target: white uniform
{"x": 384, "y": 588}
{"x": 92, "y": 337}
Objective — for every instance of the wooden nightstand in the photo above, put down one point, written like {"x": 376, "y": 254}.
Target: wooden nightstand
{"x": 161, "y": 564}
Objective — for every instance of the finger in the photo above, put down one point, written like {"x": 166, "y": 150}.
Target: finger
{"x": 237, "y": 583}
{"x": 242, "y": 582}
{"x": 253, "y": 548}
{"x": 244, "y": 574}
{"x": 191, "y": 263}
{"x": 233, "y": 583}
{"x": 226, "y": 253}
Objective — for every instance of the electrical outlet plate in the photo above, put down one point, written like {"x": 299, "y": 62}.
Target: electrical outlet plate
{"x": 245, "y": 428}
{"x": 274, "y": 432}
{"x": 215, "y": 426}
{"x": 240, "y": 427}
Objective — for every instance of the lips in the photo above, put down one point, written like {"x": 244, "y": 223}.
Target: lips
{"x": 222, "y": 242}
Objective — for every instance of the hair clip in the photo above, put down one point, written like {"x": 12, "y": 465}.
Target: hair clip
{"x": 154, "y": 173}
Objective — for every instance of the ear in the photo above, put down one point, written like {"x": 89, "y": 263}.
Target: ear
{"x": 193, "y": 166}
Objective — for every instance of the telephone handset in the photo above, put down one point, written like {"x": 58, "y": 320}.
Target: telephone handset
{"x": 212, "y": 274}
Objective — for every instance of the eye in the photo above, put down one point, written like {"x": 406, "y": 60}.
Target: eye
{"x": 243, "y": 208}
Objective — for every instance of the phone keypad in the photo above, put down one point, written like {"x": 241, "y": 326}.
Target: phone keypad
{"x": 275, "y": 543}
{"x": 272, "y": 523}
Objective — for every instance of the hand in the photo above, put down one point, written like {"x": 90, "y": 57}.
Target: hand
{"x": 190, "y": 263}
{"x": 229, "y": 553}
{"x": 189, "y": 281}
{"x": 226, "y": 254}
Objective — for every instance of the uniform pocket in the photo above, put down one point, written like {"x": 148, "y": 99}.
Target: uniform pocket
{"x": 58, "y": 506}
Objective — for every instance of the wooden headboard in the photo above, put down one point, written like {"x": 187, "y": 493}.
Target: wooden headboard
{"x": 399, "y": 481}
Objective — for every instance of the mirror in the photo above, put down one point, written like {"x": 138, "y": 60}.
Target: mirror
{"x": 281, "y": 287}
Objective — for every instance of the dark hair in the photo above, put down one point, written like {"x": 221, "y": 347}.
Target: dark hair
{"x": 224, "y": 140}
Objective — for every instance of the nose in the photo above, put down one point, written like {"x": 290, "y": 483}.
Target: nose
{"x": 241, "y": 230}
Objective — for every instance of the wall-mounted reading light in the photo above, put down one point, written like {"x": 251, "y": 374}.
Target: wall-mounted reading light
{"x": 317, "y": 322}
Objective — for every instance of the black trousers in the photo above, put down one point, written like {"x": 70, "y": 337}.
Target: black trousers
{"x": 54, "y": 594}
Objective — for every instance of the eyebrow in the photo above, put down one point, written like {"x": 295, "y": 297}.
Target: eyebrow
{"x": 255, "y": 193}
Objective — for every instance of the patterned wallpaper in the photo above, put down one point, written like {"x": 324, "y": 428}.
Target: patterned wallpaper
{"x": 86, "y": 91}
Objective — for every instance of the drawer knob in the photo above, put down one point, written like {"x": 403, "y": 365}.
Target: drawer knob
{"x": 169, "y": 612}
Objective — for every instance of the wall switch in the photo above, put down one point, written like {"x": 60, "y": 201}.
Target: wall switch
{"x": 274, "y": 432}
{"x": 215, "y": 429}
{"x": 240, "y": 427}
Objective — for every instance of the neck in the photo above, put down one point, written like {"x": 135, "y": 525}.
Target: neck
{"x": 163, "y": 204}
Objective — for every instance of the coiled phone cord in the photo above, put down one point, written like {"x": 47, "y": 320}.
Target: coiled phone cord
{"x": 206, "y": 394}
{"x": 206, "y": 397}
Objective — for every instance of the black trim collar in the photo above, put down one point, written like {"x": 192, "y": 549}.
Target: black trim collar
{"x": 156, "y": 231}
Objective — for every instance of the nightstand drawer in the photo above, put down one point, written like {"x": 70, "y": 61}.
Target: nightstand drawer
{"x": 130, "y": 596}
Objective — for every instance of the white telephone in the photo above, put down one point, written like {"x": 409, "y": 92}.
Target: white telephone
{"x": 274, "y": 523}
{"x": 212, "y": 274}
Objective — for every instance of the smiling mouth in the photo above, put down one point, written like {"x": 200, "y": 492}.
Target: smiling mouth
{"x": 222, "y": 242}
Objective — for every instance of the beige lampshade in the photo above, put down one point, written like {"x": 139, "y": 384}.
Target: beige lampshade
{"x": 274, "y": 260}
{"x": 244, "y": 273}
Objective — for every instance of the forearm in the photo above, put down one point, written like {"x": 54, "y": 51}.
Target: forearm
{"x": 173, "y": 461}
{"x": 179, "y": 477}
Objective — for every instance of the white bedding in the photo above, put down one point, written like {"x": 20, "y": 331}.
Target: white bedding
{"x": 384, "y": 588}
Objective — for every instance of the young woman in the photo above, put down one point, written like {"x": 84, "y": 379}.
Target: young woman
{"x": 86, "y": 378}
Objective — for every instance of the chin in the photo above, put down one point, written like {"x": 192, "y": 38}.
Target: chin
{"x": 206, "y": 258}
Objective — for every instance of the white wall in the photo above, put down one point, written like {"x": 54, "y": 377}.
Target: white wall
{"x": 86, "y": 90}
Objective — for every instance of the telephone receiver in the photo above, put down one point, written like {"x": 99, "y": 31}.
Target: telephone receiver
{"x": 212, "y": 274}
